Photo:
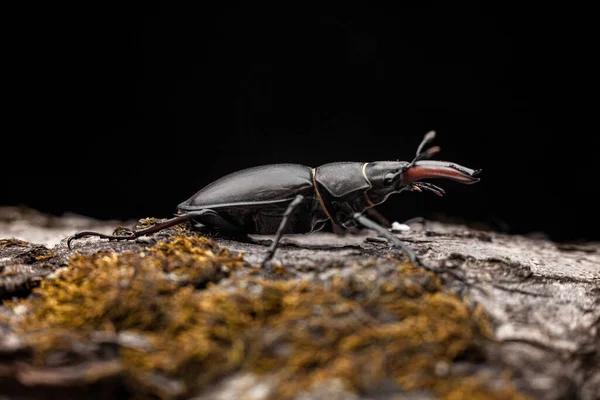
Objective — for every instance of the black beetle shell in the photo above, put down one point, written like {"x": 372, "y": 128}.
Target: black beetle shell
{"x": 267, "y": 184}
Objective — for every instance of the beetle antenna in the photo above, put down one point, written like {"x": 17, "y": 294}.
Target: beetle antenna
{"x": 424, "y": 154}
{"x": 430, "y": 152}
{"x": 429, "y": 136}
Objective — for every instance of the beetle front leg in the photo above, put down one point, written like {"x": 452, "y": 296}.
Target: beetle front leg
{"x": 284, "y": 221}
{"x": 369, "y": 224}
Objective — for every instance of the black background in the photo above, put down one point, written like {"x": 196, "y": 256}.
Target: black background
{"x": 124, "y": 113}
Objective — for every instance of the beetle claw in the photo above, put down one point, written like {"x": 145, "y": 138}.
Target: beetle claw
{"x": 267, "y": 265}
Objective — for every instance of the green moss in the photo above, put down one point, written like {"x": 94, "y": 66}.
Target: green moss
{"x": 358, "y": 329}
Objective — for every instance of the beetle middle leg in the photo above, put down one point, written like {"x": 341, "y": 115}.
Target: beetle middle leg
{"x": 284, "y": 221}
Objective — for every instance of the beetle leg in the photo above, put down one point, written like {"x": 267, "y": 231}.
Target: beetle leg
{"x": 141, "y": 232}
{"x": 284, "y": 221}
{"x": 373, "y": 213}
{"x": 367, "y": 223}
{"x": 339, "y": 230}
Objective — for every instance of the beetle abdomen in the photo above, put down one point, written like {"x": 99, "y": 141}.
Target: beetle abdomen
{"x": 267, "y": 184}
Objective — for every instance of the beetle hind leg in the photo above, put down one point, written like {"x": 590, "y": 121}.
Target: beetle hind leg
{"x": 133, "y": 234}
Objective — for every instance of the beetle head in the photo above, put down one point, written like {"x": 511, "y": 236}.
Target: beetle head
{"x": 389, "y": 177}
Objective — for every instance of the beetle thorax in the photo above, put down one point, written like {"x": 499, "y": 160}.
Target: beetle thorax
{"x": 341, "y": 188}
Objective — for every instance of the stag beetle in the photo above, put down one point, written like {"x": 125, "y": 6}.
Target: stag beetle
{"x": 292, "y": 198}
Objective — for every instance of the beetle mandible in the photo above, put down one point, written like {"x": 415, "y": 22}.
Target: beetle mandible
{"x": 293, "y": 198}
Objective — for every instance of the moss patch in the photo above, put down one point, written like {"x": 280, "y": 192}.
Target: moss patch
{"x": 4, "y": 243}
{"x": 198, "y": 327}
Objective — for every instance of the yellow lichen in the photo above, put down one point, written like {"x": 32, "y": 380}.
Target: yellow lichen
{"x": 43, "y": 254}
{"x": 36, "y": 253}
{"x": 4, "y": 243}
{"x": 354, "y": 328}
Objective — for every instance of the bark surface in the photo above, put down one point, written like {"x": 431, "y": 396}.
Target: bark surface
{"x": 542, "y": 299}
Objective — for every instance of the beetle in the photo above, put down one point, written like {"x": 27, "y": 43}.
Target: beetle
{"x": 293, "y": 198}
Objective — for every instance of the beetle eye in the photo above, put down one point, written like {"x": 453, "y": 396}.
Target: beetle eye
{"x": 389, "y": 178}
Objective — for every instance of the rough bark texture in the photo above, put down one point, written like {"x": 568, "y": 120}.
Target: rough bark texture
{"x": 542, "y": 298}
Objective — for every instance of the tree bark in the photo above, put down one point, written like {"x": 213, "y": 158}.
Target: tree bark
{"x": 542, "y": 299}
